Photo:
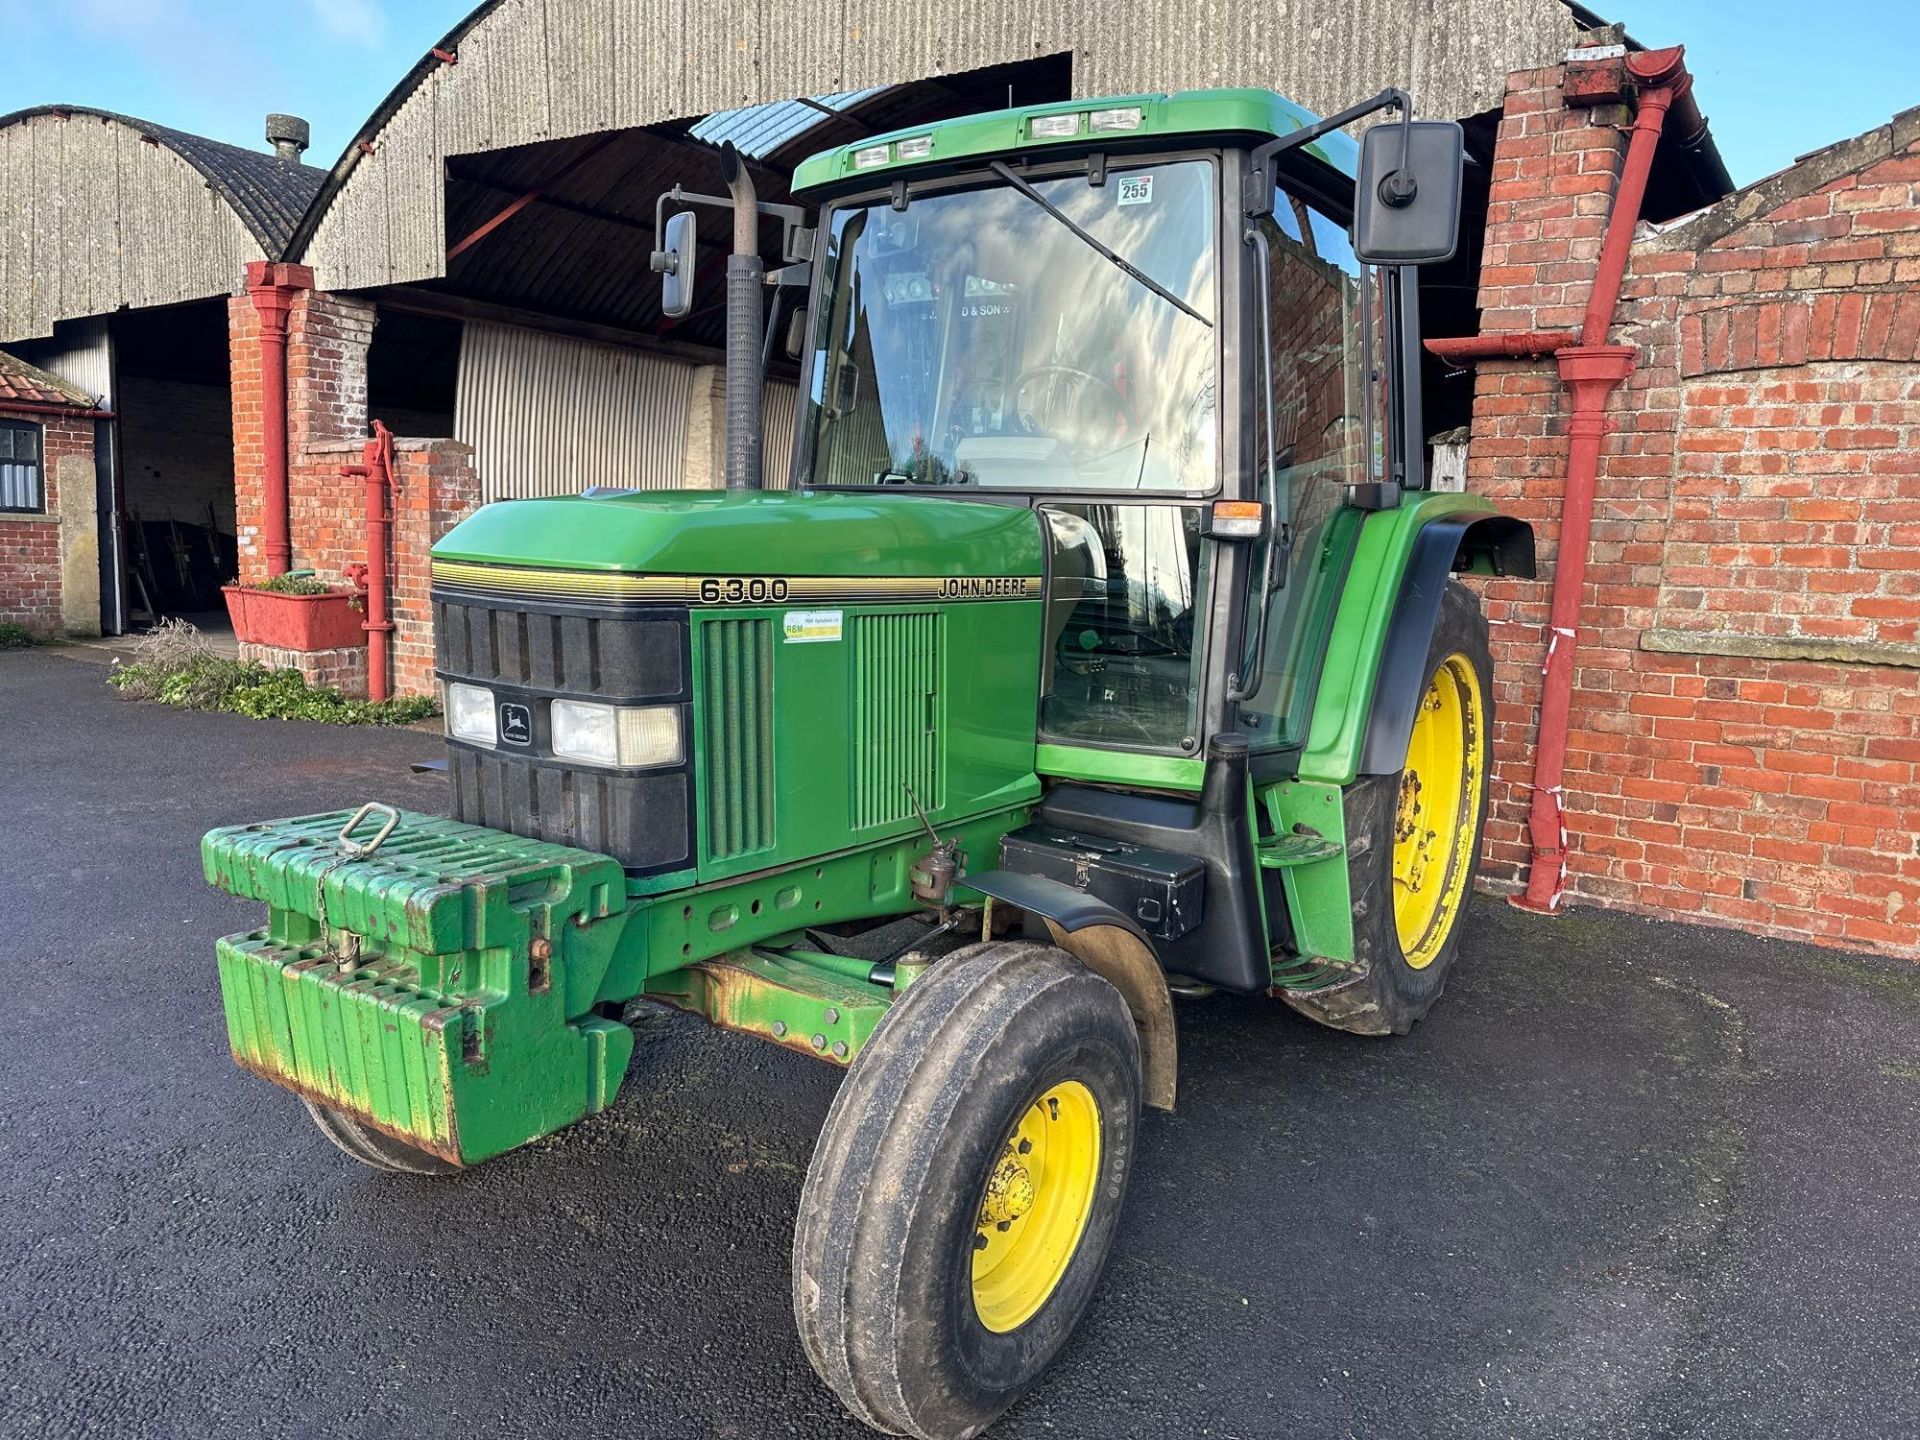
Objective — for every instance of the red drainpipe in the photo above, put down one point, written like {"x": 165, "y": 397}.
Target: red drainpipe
{"x": 376, "y": 468}
{"x": 271, "y": 287}
{"x": 1503, "y": 345}
{"x": 1591, "y": 369}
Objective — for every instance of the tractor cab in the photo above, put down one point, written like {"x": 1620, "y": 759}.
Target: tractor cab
{"x": 1145, "y": 319}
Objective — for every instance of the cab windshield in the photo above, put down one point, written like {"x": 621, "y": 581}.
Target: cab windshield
{"x": 973, "y": 339}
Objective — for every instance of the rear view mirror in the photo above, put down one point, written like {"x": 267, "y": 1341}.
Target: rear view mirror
{"x": 796, "y": 340}
{"x": 676, "y": 264}
{"x": 1406, "y": 195}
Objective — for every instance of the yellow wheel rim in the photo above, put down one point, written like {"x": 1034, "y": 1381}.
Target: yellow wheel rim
{"x": 1035, "y": 1207}
{"x": 1433, "y": 829}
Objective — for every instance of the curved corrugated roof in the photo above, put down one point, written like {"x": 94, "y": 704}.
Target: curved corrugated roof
{"x": 267, "y": 193}
{"x": 517, "y": 72}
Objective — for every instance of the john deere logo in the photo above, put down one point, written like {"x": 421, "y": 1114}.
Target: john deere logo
{"x": 516, "y": 724}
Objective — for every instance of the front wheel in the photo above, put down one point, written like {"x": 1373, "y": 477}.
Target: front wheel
{"x": 372, "y": 1148}
{"x": 1413, "y": 840}
{"x": 966, "y": 1188}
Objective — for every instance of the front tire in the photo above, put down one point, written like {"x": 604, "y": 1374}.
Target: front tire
{"x": 372, "y": 1148}
{"x": 1413, "y": 840}
{"x": 966, "y": 1188}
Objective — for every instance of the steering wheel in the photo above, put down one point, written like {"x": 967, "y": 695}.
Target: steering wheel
{"x": 1042, "y": 416}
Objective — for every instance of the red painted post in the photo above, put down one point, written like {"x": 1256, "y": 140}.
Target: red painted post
{"x": 376, "y": 469}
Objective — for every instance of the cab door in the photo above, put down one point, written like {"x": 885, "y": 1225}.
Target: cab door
{"x": 1326, "y": 411}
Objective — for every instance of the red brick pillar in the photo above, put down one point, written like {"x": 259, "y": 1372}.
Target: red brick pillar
{"x": 327, "y": 340}
{"x": 435, "y": 487}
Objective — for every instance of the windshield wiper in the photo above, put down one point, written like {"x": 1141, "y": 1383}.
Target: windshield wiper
{"x": 999, "y": 168}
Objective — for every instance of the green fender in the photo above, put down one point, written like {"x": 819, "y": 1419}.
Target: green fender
{"x": 1370, "y": 681}
{"x": 1386, "y": 612}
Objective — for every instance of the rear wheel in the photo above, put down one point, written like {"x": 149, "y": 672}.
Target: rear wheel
{"x": 966, "y": 1188}
{"x": 1413, "y": 840}
{"x": 371, "y": 1147}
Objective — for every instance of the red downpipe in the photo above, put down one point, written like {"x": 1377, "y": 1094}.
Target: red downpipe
{"x": 272, "y": 288}
{"x": 1591, "y": 370}
{"x": 376, "y": 468}
{"x": 1501, "y": 345}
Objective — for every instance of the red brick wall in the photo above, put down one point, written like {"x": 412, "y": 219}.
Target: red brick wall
{"x": 30, "y": 544}
{"x": 1740, "y": 752}
{"x": 327, "y": 340}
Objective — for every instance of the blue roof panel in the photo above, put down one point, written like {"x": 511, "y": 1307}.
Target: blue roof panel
{"x": 759, "y": 130}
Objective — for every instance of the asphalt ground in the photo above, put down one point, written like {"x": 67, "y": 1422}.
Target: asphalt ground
{"x": 1628, "y": 1179}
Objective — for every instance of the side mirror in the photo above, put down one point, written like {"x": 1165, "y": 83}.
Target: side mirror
{"x": 676, "y": 264}
{"x": 1406, "y": 195}
{"x": 796, "y": 340}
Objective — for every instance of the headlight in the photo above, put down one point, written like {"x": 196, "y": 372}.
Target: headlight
{"x": 626, "y": 738}
{"x": 470, "y": 714}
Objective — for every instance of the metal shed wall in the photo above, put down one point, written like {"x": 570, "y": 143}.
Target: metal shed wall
{"x": 98, "y": 219}
{"x": 531, "y": 70}
{"x": 776, "y": 446}
{"x": 549, "y": 415}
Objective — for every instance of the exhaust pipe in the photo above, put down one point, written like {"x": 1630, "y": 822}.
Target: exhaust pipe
{"x": 746, "y": 283}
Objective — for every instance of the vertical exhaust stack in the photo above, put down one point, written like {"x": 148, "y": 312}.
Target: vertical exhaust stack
{"x": 746, "y": 282}
{"x": 289, "y": 135}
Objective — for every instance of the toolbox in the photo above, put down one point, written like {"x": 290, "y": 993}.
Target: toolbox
{"x": 1161, "y": 892}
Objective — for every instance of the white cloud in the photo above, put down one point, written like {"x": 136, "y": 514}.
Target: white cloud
{"x": 357, "y": 22}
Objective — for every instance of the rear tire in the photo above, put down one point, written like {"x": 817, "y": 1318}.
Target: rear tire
{"x": 966, "y": 1188}
{"x": 1413, "y": 840}
{"x": 370, "y": 1147}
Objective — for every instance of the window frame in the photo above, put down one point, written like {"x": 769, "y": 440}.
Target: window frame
{"x": 13, "y": 425}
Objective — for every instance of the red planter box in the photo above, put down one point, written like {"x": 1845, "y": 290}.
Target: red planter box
{"x": 295, "y": 622}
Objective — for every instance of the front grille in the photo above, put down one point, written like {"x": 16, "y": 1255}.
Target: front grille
{"x": 569, "y": 654}
{"x": 736, "y": 739}
{"x": 641, "y": 820}
{"x": 526, "y": 656}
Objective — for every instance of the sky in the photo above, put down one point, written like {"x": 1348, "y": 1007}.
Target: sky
{"x": 1775, "y": 79}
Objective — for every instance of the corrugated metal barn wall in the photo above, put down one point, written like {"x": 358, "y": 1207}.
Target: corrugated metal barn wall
{"x": 533, "y": 70}
{"x": 550, "y": 415}
{"x": 782, "y": 401}
{"x": 97, "y": 220}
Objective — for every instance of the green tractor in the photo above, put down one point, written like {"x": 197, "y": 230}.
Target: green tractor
{"x": 1105, "y": 647}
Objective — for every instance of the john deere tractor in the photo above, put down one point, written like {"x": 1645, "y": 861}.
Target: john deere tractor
{"x": 1105, "y": 646}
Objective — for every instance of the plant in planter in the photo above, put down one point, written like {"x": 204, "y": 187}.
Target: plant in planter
{"x": 295, "y": 611}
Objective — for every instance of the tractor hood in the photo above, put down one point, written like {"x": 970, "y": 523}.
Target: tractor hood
{"x": 750, "y": 532}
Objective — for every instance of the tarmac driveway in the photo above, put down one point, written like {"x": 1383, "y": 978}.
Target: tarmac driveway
{"x": 1629, "y": 1179}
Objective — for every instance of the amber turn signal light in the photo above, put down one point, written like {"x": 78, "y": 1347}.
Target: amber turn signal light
{"x": 1237, "y": 520}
